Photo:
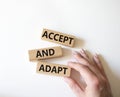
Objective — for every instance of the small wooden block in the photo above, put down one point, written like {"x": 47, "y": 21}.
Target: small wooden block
{"x": 58, "y": 37}
{"x": 45, "y": 53}
{"x": 53, "y": 69}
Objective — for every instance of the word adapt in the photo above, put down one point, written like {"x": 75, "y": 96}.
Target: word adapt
{"x": 53, "y": 69}
{"x": 45, "y": 53}
{"x": 58, "y": 37}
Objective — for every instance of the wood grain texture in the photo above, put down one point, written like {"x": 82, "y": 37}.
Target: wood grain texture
{"x": 45, "y": 53}
{"x": 58, "y": 37}
{"x": 53, "y": 69}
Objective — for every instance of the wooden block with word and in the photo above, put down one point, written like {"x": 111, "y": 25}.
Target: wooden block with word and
{"x": 45, "y": 53}
{"x": 58, "y": 37}
{"x": 53, "y": 69}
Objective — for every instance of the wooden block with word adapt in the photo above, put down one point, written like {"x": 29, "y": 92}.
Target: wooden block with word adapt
{"x": 45, "y": 53}
{"x": 53, "y": 69}
{"x": 58, "y": 37}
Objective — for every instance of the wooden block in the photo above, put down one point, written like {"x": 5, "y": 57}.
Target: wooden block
{"x": 53, "y": 69}
{"x": 45, "y": 53}
{"x": 58, "y": 37}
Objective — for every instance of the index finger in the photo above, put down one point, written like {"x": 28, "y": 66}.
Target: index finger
{"x": 85, "y": 72}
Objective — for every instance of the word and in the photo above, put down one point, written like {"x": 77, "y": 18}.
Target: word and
{"x": 54, "y": 69}
{"x": 58, "y": 37}
{"x": 45, "y": 53}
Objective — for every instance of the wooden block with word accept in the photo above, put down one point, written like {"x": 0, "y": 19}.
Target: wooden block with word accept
{"x": 45, "y": 53}
{"x": 53, "y": 69}
{"x": 58, "y": 37}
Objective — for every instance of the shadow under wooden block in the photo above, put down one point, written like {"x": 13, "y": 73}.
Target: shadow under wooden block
{"x": 78, "y": 43}
{"x": 53, "y": 69}
{"x": 45, "y": 53}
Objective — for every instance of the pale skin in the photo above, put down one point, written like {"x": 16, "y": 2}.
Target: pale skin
{"x": 92, "y": 72}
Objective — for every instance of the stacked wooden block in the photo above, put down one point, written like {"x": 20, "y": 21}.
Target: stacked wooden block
{"x": 52, "y": 52}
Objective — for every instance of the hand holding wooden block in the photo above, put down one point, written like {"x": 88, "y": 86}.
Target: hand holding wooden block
{"x": 45, "y": 53}
{"x": 58, "y": 37}
{"x": 53, "y": 69}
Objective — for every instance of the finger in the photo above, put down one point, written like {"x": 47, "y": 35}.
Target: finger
{"x": 80, "y": 59}
{"x": 97, "y": 61}
{"x": 84, "y": 54}
{"x": 85, "y": 62}
{"x": 85, "y": 72}
{"x": 92, "y": 67}
{"x": 73, "y": 85}
{"x": 99, "y": 64}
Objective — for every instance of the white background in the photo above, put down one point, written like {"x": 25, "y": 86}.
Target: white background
{"x": 96, "y": 23}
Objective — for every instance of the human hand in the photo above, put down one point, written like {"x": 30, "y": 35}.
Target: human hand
{"x": 92, "y": 72}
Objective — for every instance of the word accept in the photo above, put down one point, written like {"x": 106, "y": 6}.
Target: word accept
{"x": 53, "y": 69}
{"x": 58, "y": 37}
